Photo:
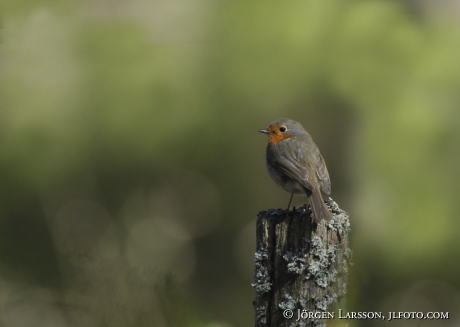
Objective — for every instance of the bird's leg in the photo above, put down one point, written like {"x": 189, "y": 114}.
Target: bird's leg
{"x": 292, "y": 194}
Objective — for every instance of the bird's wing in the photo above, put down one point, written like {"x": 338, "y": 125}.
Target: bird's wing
{"x": 296, "y": 171}
{"x": 323, "y": 175}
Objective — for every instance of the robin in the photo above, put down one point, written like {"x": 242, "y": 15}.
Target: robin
{"x": 293, "y": 161}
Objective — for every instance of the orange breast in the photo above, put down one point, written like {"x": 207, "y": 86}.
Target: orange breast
{"x": 277, "y": 136}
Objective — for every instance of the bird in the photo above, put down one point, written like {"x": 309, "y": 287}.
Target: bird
{"x": 295, "y": 164}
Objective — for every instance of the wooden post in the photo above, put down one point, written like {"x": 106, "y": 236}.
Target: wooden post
{"x": 301, "y": 267}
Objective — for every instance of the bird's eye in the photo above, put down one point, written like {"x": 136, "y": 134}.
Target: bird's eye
{"x": 282, "y": 129}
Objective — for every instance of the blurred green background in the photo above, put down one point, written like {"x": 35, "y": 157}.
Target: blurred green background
{"x": 132, "y": 170}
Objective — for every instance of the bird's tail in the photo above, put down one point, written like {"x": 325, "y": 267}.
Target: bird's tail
{"x": 320, "y": 211}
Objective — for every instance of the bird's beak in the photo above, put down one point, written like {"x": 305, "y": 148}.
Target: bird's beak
{"x": 265, "y": 131}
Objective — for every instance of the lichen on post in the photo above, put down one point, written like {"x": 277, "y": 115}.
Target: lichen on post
{"x": 301, "y": 267}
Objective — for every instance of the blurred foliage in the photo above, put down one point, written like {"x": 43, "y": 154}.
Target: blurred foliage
{"x": 129, "y": 152}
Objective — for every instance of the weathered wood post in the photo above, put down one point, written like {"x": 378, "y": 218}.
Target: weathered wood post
{"x": 301, "y": 267}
